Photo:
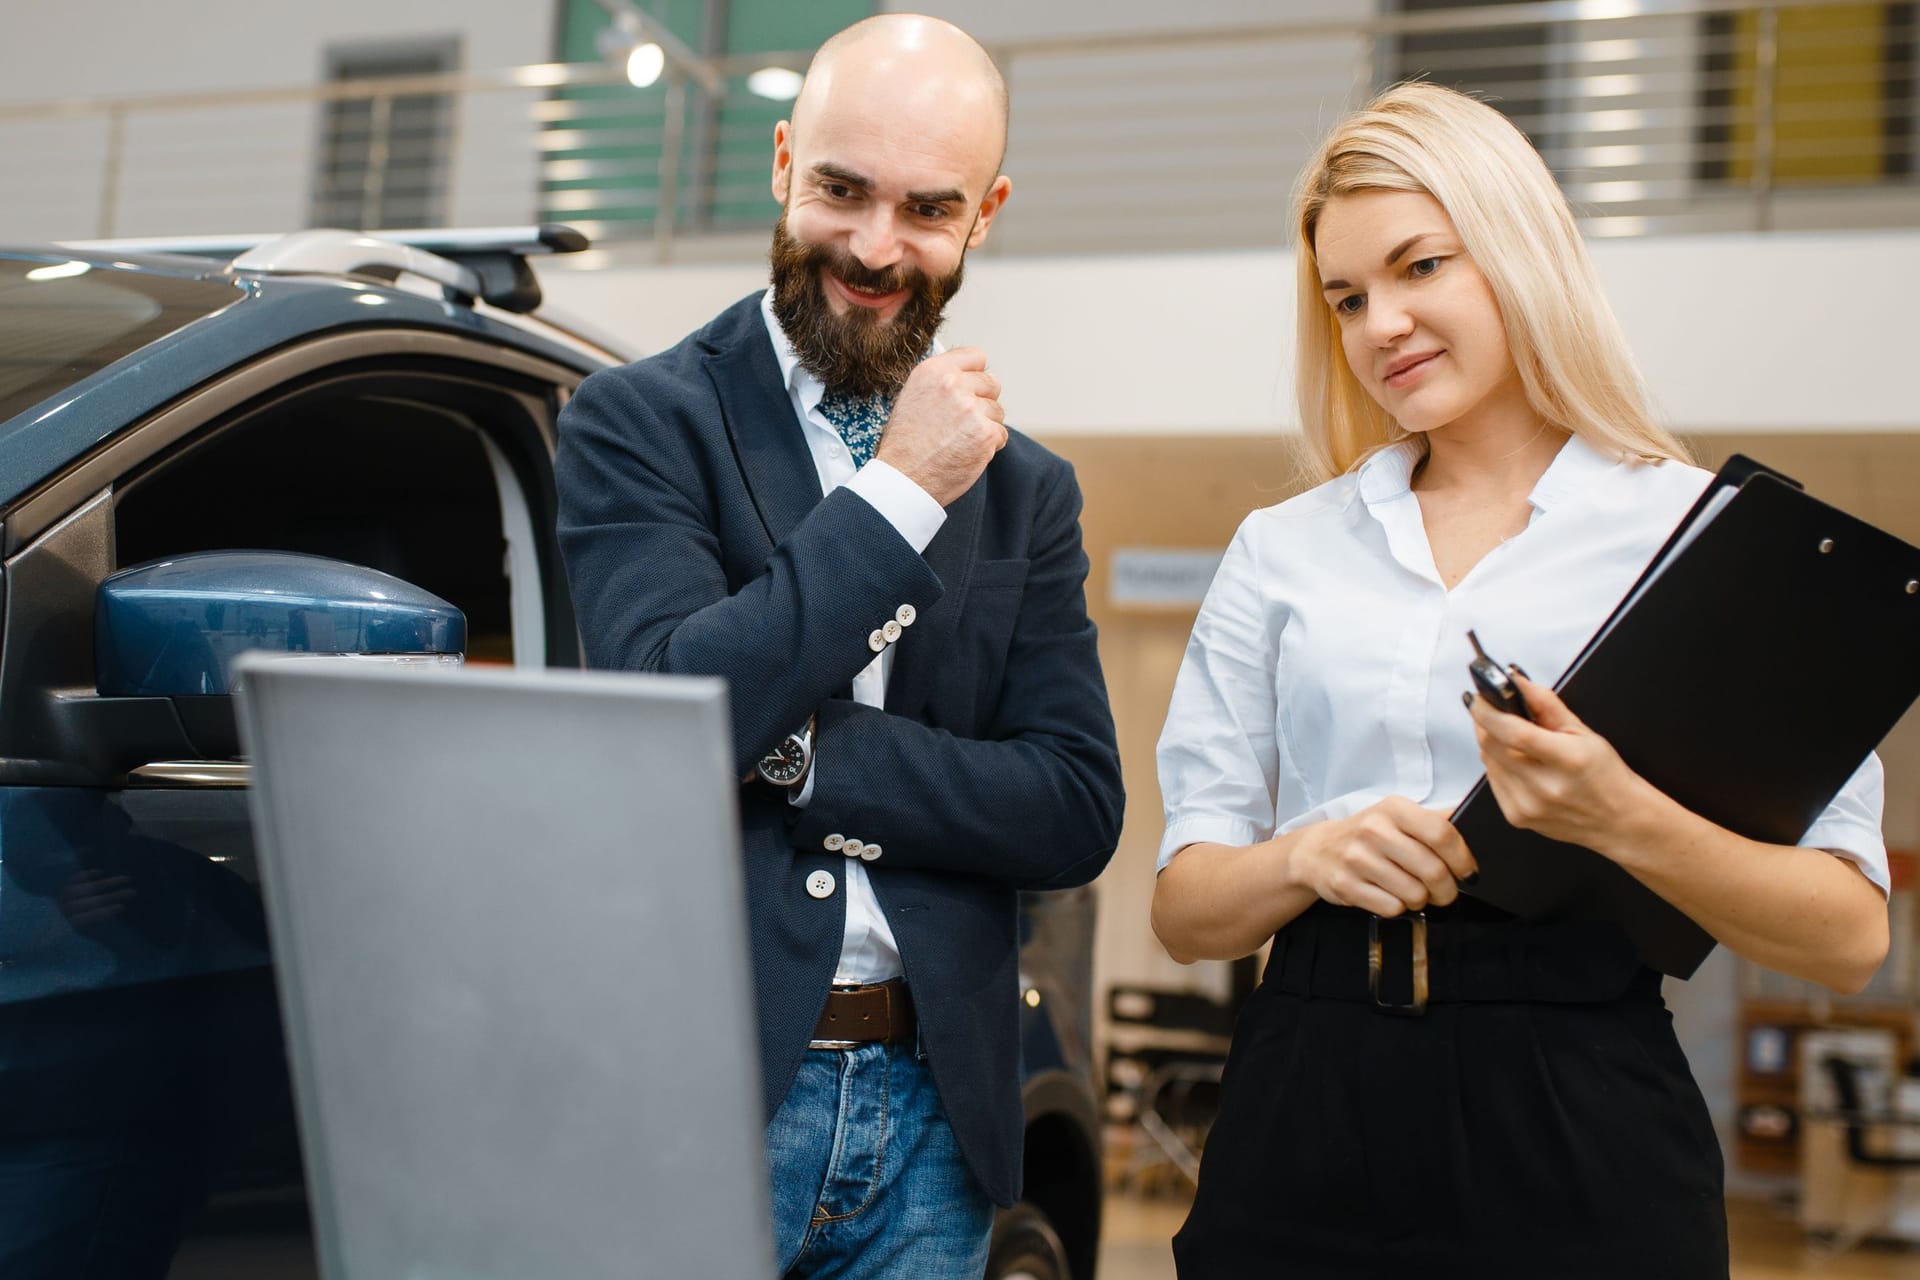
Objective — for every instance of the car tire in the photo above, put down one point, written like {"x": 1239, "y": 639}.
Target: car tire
{"x": 1026, "y": 1247}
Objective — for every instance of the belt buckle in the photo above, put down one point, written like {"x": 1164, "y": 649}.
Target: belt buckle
{"x": 1416, "y": 922}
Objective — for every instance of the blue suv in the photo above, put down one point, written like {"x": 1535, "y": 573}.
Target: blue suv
{"x": 331, "y": 404}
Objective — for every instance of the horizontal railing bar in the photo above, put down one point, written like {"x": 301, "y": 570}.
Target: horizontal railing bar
{"x": 1630, "y": 100}
{"x": 552, "y": 75}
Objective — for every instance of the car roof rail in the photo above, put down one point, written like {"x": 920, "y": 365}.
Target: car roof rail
{"x": 488, "y": 263}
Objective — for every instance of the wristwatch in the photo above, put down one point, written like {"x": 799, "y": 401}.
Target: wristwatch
{"x": 787, "y": 764}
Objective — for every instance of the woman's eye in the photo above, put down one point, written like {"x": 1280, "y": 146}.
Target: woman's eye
{"x": 1425, "y": 267}
{"x": 1349, "y": 305}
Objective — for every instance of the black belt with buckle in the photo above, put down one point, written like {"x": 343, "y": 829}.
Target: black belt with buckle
{"x": 1452, "y": 955}
{"x": 1418, "y": 976}
{"x": 881, "y": 1012}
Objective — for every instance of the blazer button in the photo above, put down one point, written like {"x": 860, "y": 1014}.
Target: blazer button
{"x": 820, "y": 884}
{"x": 869, "y": 852}
{"x": 833, "y": 842}
{"x": 852, "y": 848}
{"x": 891, "y": 631}
{"x": 877, "y": 641}
{"x": 905, "y": 615}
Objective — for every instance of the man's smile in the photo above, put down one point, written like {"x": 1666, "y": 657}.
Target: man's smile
{"x": 860, "y": 297}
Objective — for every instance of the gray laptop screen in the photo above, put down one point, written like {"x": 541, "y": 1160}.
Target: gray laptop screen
{"x": 508, "y": 926}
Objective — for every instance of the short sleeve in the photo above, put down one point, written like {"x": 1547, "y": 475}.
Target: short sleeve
{"x": 1218, "y": 757}
{"x": 1850, "y": 826}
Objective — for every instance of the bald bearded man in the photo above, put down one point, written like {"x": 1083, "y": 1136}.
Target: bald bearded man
{"x": 918, "y": 709}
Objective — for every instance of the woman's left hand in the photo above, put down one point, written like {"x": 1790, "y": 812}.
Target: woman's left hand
{"x": 1554, "y": 775}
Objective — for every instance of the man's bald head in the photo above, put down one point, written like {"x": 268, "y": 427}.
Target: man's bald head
{"x": 909, "y": 63}
{"x": 887, "y": 175}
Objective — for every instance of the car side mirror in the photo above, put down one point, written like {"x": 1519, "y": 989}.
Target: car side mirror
{"x": 172, "y": 628}
{"x": 166, "y": 634}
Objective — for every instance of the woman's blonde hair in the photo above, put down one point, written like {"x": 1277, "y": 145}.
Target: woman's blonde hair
{"x": 1514, "y": 221}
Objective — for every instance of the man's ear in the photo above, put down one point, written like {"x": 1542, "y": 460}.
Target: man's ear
{"x": 990, "y": 206}
{"x": 782, "y": 160}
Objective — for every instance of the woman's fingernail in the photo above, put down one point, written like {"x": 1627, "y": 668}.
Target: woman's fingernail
{"x": 1466, "y": 700}
{"x": 1471, "y": 880}
{"x": 1518, "y": 670}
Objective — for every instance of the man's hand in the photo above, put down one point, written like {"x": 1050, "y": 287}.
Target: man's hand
{"x": 946, "y": 424}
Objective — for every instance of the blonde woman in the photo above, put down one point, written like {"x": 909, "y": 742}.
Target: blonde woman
{"x": 1487, "y": 461}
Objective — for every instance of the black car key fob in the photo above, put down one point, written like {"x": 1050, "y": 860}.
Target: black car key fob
{"x": 1493, "y": 682}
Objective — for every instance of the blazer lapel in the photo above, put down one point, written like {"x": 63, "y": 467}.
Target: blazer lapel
{"x": 766, "y": 438}
{"x": 950, "y": 555}
{"x": 784, "y": 484}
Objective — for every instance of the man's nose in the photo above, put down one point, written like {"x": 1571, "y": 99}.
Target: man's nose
{"x": 874, "y": 242}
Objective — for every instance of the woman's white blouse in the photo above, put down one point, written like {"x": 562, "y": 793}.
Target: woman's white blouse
{"x": 1326, "y": 667}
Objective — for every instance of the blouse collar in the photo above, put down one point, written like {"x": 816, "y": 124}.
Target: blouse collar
{"x": 1387, "y": 473}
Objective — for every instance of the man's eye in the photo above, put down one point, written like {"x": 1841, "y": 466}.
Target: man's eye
{"x": 838, "y": 190}
{"x": 931, "y": 212}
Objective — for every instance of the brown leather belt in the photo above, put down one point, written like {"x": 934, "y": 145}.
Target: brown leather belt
{"x": 882, "y": 1012}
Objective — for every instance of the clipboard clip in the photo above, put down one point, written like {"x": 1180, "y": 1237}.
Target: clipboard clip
{"x": 1416, "y": 922}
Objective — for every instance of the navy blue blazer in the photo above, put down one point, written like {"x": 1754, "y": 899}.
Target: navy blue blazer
{"x": 696, "y": 541}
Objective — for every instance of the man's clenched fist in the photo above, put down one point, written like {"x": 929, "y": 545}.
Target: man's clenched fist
{"x": 946, "y": 424}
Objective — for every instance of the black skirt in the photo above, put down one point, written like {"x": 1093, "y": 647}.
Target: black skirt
{"x": 1538, "y": 1120}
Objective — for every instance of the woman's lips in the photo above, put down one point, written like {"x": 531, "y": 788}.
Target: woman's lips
{"x": 1409, "y": 372}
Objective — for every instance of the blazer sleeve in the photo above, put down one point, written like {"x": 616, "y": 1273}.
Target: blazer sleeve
{"x": 1036, "y": 800}
{"x": 639, "y": 514}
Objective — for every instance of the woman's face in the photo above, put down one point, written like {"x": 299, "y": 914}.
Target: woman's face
{"x": 1418, "y": 322}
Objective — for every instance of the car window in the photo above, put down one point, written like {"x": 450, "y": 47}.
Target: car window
{"x": 397, "y": 483}
{"x": 60, "y": 321}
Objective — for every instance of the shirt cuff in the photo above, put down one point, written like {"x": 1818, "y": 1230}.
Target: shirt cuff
{"x": 1235, "y": 832}
{"x": 907, "y": 507}
{"x": 1862, "y": 846}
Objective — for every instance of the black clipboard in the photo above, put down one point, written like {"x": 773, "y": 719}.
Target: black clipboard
{"x": 1769, "y": 646}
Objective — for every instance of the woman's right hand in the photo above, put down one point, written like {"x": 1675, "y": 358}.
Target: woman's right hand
{"x": 1389, "y": 858}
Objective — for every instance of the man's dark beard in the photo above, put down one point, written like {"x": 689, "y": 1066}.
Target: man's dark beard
{"x": 857, "y": 353}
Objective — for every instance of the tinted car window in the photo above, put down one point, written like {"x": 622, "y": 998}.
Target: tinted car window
{"x": 60, "y": 321}
{"x": 396, "y": 484}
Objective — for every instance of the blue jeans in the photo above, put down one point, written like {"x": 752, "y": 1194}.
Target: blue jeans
{"x": 867, "y": 1178}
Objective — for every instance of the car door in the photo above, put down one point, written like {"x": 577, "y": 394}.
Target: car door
{"x": 145, "y": 1112}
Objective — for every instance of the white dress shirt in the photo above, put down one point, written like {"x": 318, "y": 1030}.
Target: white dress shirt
{"x": 868, "y": 952}
{"x": 1326, "y": 667}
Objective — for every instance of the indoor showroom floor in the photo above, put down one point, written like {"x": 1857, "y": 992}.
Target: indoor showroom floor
{"x": 1767, "y": 1244}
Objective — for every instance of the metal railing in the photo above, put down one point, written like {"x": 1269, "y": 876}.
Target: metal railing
{"x": 1658, "y": 116}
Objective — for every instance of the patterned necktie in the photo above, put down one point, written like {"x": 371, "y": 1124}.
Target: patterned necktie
{"x": 859, "y": 420}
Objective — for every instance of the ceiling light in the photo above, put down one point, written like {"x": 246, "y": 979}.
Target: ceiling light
{"x": 782, "y": 84}
{"x": 645, "y": 64}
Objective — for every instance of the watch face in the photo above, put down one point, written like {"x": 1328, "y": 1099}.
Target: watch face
{"x": 786, "y": 763}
